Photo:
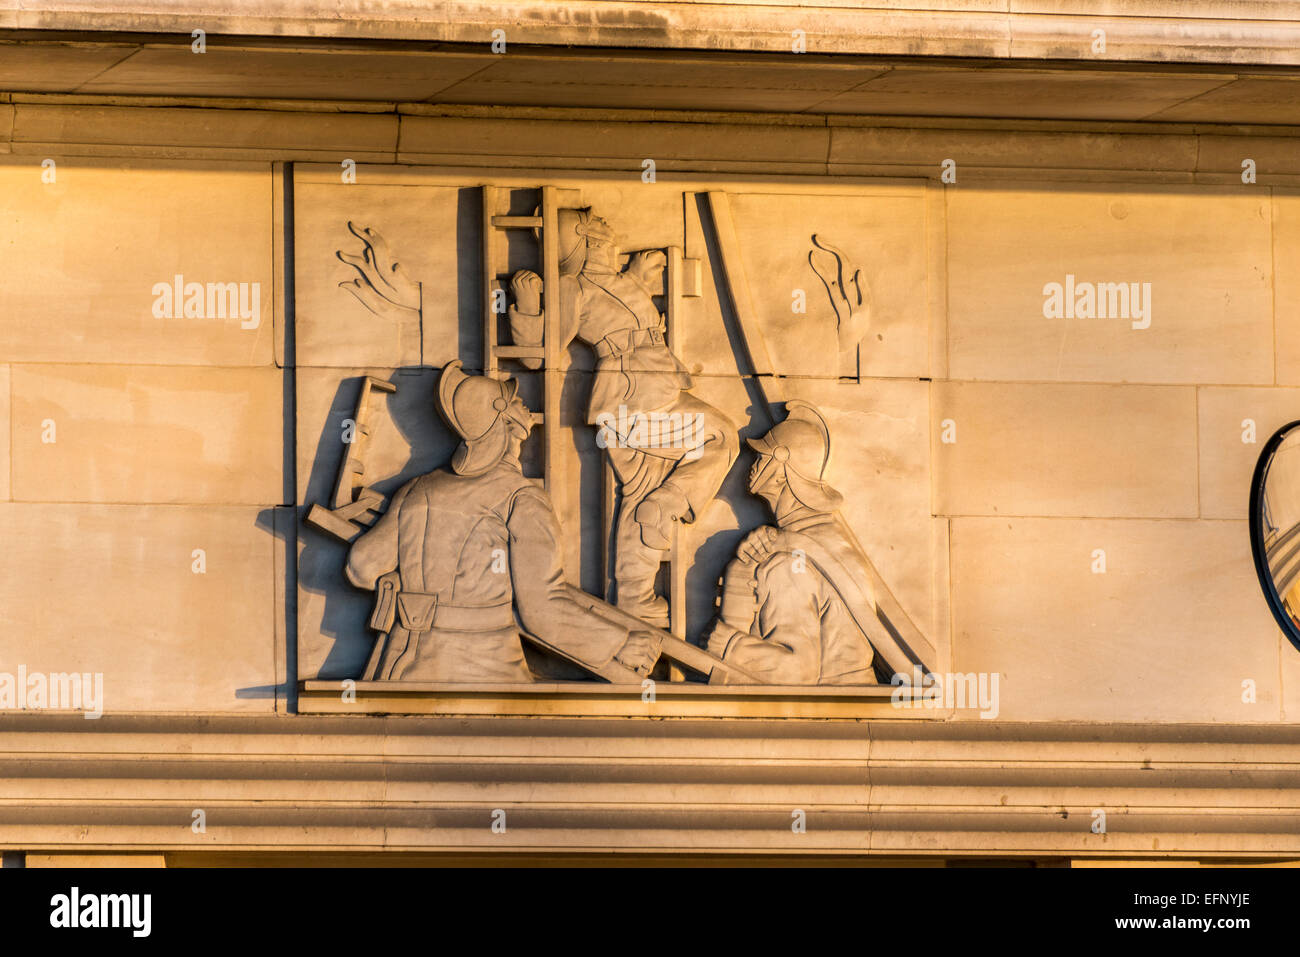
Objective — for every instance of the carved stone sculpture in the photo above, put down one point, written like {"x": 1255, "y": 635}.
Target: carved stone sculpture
{"x": 460, "y": 551}
{"x": 383, "y": 287}
{"x": 381, "y": 284}
{"x": 797, "y": 604}
{"x": 850, "y": 298}
{"x": 466, "y": 561}
{"x": 669, "y": 450}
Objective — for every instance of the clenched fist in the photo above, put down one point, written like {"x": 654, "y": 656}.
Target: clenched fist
{"x": 648, "y": 266}
{"x": 526, "y": 286}
{"x": 757, "y": 545}
{"x": 640, "y": 651}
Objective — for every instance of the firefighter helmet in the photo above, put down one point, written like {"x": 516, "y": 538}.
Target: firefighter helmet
{"x": 480, "y": 409}
{"x": 800, "y": 447}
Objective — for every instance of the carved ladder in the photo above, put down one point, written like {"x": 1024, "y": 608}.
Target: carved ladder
{"x": 681, "y": 281}
{"x": 677, "y": 555}
{"x": 496, "y": 277}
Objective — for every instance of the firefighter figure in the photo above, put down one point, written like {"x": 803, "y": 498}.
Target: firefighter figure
{"x": 798, "y": 605}
{"x": 461, "y": 551}
{"x": 669, "y": 450}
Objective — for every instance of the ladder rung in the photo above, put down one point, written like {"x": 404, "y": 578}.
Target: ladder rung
{"x": 519, "y": 352}
{"x": 516, "y": 222}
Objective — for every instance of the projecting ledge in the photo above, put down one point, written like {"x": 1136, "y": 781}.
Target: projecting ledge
{"x": 590, "y": 699}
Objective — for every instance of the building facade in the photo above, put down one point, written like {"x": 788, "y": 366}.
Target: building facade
{"x": 1006, "y": 290}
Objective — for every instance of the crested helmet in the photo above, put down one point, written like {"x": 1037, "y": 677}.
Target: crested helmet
{"x": 800, "y": 446}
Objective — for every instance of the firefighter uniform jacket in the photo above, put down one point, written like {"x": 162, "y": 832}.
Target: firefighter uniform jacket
{"x": 472, "y": 552}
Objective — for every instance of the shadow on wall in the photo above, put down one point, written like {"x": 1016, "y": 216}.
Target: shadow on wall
{"x": 407, "y": 420}
{"x": 712, "y": 555}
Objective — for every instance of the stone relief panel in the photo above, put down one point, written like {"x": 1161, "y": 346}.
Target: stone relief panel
{"x": 838, "y": 284}
{"x": 600, "y": 464}
{"x": 360, "y": 327}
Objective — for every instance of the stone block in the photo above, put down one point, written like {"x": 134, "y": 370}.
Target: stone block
{"x": 5, "y": 464}
{"x": 205, "y": 135}
{"x": 1286, "y": 284}
{"x": 147, "y": 434}
{"x": 1064, "y": 450}
{"x": 1199, "y": 262}
{"x": 880, "y": 238}
{"x": 1075, "y": 94}
{"x": 1168, "y": 632}
{"x": 92, "y": 260}
{"x": 173, "y": 606}
{"x": 1233, "y": 425}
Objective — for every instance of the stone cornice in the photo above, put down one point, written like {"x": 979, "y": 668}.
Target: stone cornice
{"x": 866, "y": 788}
{"x": 1244, "y": 32}
{"x": 476, "y": 142}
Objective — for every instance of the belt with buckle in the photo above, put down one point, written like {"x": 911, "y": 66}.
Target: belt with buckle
{"x": 632, "y": 339}
{"x": 422, "y": 612}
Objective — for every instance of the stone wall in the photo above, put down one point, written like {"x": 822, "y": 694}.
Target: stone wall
{"x": 152, "y": 463}
{"x": 143, "y": 455}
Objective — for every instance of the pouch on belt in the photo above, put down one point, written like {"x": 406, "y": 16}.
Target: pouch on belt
{"x": 416, "y": 610}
